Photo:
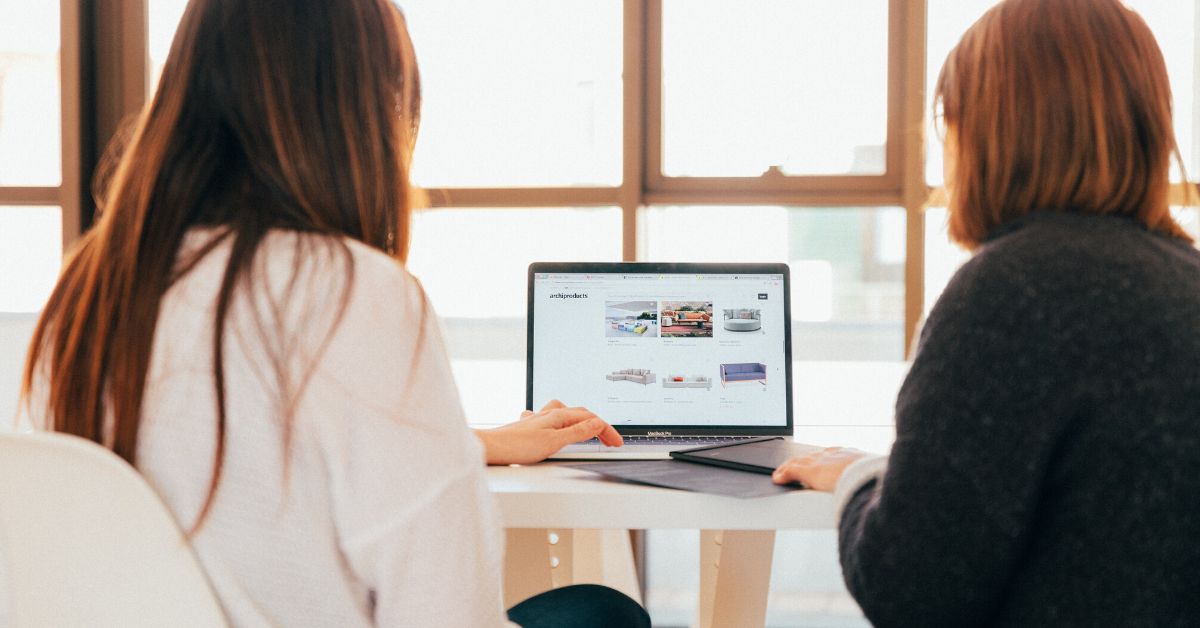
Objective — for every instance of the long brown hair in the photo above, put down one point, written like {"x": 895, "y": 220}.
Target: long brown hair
{"x": 270, "y": 114}
{"x": 1057, "y": 105}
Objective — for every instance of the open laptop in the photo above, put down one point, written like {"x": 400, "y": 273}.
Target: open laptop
{"x": 672, "y": 355}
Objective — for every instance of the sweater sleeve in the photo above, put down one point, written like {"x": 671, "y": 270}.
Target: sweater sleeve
{"x": 935, "y": 539}
{"x": 416, "y": 523}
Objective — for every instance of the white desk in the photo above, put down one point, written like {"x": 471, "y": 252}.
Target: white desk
{"x": 568, "y": 526}
{"x": 549, "y": 495}
{"x": 836, "y": 403}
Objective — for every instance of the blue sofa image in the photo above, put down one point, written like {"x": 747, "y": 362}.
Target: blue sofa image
{"x": 744, "y": 372}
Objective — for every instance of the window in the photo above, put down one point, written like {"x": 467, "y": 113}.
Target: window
{"x": 30, "y": 146}
{"x": 847, "y": 267}
{"x": 534, "y": 102}
{"x": 472, "y": 263}
{"x": 752, "y": 86}
{"x": 30, "y": 255}
{"x": 31, "y": 153}
{"x": 797, "y": 125}
{"x": 164, "y": 16}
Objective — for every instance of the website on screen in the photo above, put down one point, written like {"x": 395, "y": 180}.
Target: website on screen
{"x": 674, "y": 349}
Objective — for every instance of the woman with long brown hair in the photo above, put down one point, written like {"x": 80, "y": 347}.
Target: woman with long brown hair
{"x": 1047, "y": 455}
{"x": 238, "y": 326}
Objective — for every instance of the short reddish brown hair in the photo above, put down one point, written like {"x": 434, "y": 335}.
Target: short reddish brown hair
{"x": 1057, "y": 105}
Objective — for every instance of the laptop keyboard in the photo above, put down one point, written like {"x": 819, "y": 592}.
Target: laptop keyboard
{"x": 693, "y": 441}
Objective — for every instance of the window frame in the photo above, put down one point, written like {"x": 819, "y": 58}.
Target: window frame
{"x": 644, "y": 184}
{"x": 68, "y": 192}
{"x": 872, "y": 189}
{"x": 102, "y": 76}
{"x": 105, "y": 74}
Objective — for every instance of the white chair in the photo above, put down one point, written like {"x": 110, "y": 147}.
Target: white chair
{"x": 85, "y": 541}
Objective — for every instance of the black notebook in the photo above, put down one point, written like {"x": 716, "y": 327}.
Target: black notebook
{"x": 759, "y": 455}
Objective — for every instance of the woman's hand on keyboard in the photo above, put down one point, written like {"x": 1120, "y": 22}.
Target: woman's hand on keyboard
{"x": 539, "y": 434}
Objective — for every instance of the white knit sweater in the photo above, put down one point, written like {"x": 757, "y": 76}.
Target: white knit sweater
{"x": 379, "y": 514}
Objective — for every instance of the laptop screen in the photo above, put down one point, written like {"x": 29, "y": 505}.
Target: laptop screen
{"x": 705, "y": 347}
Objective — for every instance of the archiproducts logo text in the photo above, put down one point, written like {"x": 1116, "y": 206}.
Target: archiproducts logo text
{"x": 563, "y": 295}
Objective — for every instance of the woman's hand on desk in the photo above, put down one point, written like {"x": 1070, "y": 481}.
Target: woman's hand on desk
{"x": 539, "y": 434}
{"x": 819, "y": 470}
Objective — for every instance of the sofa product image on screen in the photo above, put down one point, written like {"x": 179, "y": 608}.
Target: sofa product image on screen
{"x": 743, "y": 320}
{"x": 697, "y": 319}
{"x": 682, "y": 381}
{"x": 631, "y": 319}
{"x": 686, "y": 319}
{"x": 744, "y": 372}
{"x": 637, "y": 376}
{"x": 634, "y": 327}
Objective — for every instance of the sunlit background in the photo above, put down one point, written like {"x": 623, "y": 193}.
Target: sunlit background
{"x": 528, "y": 94}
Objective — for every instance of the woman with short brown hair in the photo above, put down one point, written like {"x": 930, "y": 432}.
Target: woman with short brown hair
{"x": 1047, "y": 454}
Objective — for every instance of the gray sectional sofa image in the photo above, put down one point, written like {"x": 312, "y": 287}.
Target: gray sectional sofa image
{"x": 744, "y": 372}
{"x": 637, "y": 376}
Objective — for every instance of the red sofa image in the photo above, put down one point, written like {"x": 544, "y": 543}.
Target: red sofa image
{"x": 699, "y": 319}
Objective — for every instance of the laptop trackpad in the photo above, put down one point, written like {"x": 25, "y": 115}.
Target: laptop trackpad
{"x": 587, "y": 445}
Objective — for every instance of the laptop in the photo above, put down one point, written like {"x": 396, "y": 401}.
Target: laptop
{"x": 672, "y": 355}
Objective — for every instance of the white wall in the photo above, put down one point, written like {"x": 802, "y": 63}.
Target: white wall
{"x": 15, "y": 332}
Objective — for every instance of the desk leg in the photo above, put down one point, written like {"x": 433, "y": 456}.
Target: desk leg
{"x": 526, "y": 564}
{"x": 735, "y": 577}
{"x": 539, "y": 559}
{"x": 605, "y": 557}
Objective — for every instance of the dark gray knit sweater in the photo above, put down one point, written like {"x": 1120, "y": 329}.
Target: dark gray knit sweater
{"x": 1046, "y": 470}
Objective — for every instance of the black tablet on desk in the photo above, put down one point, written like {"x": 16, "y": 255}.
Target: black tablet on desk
{"x": 759, "y": 455}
